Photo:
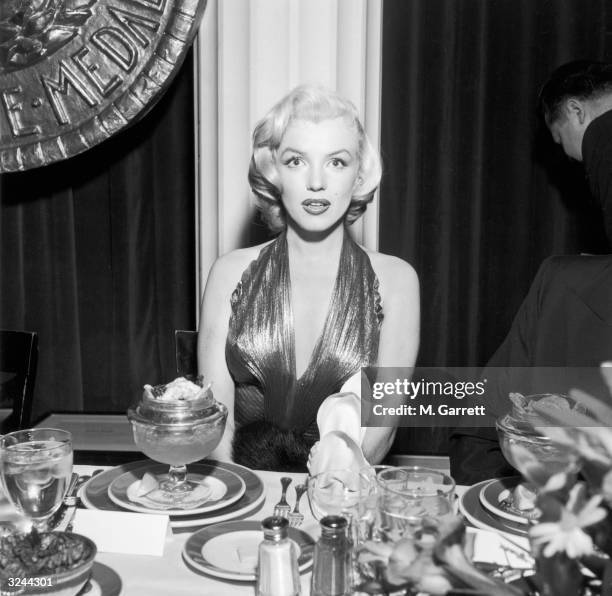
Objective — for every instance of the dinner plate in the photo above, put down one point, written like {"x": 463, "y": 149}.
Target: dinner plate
{"x": 471, "y": 507}
{"x": 228, "y": 484}
{"x": 494, "y": 497}
{"x": 94, "y": 495}
{"x": 104, "y": 581}
{"x": 229, "y": 550}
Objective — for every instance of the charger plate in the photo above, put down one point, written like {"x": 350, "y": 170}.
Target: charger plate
{"x": 471, "y": 507}
{"x": 94, "y": 494}
{"x": 104, "y": 581}
{"x": 229, "y": 550}
{"x": 217, "y": 477}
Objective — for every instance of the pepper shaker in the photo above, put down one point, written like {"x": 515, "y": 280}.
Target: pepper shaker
{"x": 331, "y": 572}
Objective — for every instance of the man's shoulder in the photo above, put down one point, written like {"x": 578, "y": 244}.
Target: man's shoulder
{"x": 575, "y": 270}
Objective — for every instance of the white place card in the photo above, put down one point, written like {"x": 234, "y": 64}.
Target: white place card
{"x": 491, "y": 547}
{"x": 123, "y": 532}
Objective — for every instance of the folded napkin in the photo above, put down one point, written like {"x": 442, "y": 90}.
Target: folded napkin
{"x": 147, "y": 492}
{"x": 339, "y": 422}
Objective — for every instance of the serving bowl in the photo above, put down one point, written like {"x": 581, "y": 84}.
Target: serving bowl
{"x": 34, "y": 577}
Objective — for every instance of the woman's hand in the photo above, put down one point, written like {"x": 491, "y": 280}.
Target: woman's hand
{"x": 312, "y": 457}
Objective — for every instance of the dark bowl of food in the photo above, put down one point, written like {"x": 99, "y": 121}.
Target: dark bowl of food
{"x": 50, "y": 563}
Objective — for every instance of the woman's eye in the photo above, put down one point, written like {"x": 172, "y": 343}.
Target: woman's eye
{"x": 293, "y": 162}
{"x": 337, "y": 162}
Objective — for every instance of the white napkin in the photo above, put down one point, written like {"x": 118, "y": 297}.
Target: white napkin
{"x": 339, "y": 422}
{"x": 147, "y": 492}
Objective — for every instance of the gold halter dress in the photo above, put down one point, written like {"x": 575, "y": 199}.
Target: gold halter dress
{"x": 275, "y": 412}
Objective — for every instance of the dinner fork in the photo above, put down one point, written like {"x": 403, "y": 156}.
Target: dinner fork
{"x": 295, "y": 517}
{"x": 282, "y": 508}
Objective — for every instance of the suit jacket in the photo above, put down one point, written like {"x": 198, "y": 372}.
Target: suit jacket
{"x": 565, "y": 322}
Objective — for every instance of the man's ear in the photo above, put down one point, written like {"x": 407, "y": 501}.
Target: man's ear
{"x": 576, "y": 108}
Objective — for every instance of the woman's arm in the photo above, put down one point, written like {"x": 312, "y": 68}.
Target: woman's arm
{"x": 399, "y": 335}
{"x": 212, "y": 335}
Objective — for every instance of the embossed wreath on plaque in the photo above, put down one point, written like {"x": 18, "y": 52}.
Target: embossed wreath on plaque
{"x": 75, "y": 72}
{"x": 33, "y": 29}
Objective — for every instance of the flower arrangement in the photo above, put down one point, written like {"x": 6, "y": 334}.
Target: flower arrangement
{"x": 572, "y": 539}
{"x": 433, "y": 561}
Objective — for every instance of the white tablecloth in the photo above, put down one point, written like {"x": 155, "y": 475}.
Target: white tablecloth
{"x": 170, "y": 576}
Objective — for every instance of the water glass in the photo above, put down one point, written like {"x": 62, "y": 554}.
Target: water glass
{"x": 35, "y": 469}
{"x": 337, "y": 492}
{"x": 407, "y": 494}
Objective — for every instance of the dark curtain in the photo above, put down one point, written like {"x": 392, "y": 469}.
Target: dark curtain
{"x": 475, "y": 194}
{"x": 98, "y": 256}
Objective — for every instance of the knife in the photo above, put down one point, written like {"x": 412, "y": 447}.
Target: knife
{"x": 63, "y": 517}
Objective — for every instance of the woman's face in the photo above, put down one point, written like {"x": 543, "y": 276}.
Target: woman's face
{"x": 318, "y": 166}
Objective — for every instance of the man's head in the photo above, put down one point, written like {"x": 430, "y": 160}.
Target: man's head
{"x": 574, "y": 95}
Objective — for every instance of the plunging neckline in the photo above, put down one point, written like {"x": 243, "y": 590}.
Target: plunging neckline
{"x": 260, "y": 346}
{"x": 318, "y": 345}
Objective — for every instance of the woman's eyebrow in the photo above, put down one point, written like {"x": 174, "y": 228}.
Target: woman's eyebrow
{"x": 331, "y": 154}
{"x": 290, "y": 150}
{"x": 340, "y": 151}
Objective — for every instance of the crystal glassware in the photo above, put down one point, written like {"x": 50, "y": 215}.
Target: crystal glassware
{"x": 35, "y": 468}
{"x": 337, "y": 492}
{"x": 407, "y": 494}
{"x": 177, "y": 432}
{"x": 533, "y": 454}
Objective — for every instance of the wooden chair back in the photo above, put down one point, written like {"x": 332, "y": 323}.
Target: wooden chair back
{"x": 18, "y": 363}
{"x": 186, "y": 351}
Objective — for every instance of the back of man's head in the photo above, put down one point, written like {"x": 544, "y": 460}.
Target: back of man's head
{"x": 582, "y": 79}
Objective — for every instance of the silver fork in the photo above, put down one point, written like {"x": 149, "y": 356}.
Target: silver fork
{"x": 295, "y": 517}
{"x": 282, "y": 508}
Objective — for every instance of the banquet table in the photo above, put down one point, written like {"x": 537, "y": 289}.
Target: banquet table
{"x": 143, "y": 575}
{"x": 170, "y": 575}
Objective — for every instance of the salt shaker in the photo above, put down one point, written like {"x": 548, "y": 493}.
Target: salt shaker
{"x": 331, "y": 573}
{"x": 277, "y": 566}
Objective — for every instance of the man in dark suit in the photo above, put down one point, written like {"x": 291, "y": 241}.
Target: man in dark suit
{"x": 565, "y": 321}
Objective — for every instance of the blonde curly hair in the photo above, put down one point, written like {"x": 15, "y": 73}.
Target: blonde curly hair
{"x": 312, "y": 103}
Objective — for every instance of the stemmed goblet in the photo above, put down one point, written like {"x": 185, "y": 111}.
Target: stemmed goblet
{"x": 177, "y": 432}
{"x": 35, "y": 469}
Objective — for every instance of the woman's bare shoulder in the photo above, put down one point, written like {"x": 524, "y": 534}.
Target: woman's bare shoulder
{"x": 228, "y": 268}
{"x": 392, "y": 272}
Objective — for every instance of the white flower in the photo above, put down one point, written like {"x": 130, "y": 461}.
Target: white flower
{"x": 567, "y": 535}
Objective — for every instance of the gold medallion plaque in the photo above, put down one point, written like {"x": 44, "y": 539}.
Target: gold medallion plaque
{"x": 75, "y": 72}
